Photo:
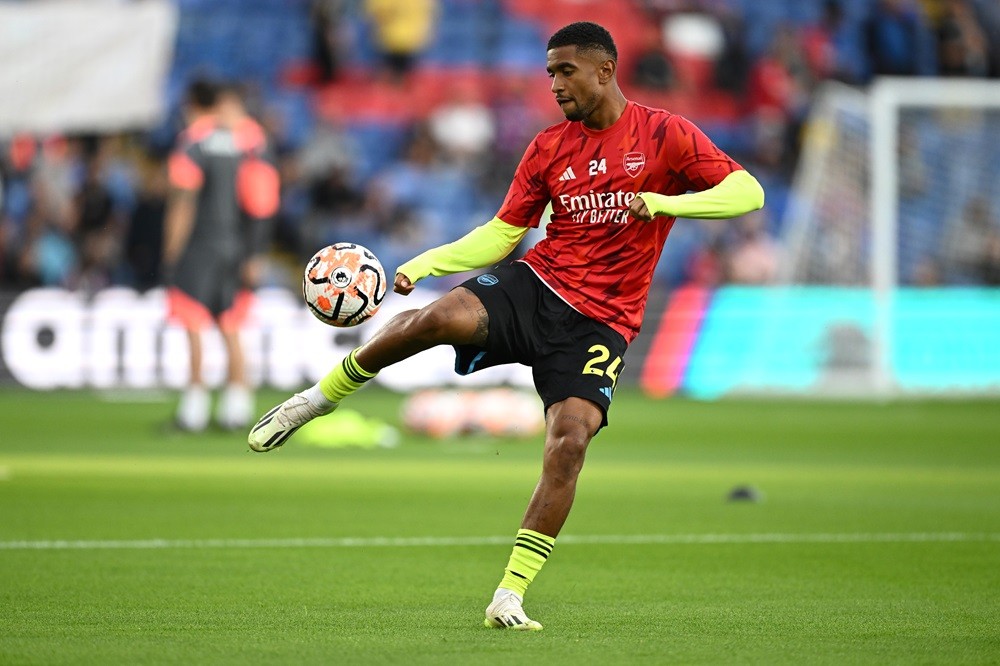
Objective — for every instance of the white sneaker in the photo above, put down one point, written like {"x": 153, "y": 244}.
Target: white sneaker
{"x": 194, "y": 409}
{"x": 505, "y": 612}
{"x": 235, "y": 408}
{"x": 275, "y": 427}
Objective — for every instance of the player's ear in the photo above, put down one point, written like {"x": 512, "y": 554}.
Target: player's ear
{"x": 606, "y": 71}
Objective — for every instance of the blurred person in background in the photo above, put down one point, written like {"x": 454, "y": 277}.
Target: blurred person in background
{"x": 99, "y": 217}
{"x": 989, "y": 268}
{"x": 963, "y": 47}
{"x": 223, "y": 188}
{"x": 778, "y": 96}
{"x": 832, "y": 46}
{"x": 898, "y": 40}
{"x": 47, "y": 254}
{"x": 463, "y": 127}
{"x": 17, "y": 161}
{"x": 144, "y": 239}
{"x": 403, "y": 29}
{"x": 969, "y": 241}
{"x": 618, "y": 175}
{"x": 329, "y": 43}
{"x": 753, "y": 258}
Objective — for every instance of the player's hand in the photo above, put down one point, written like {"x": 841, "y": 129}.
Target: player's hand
{"x": 638, "y": 210}
{"x": 251, "y": 272}
{"x": 402, "y": 285}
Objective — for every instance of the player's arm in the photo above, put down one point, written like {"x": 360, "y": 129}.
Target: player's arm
{"x": 738, "y": 193}
{"x": 483, "y": 246}
{"x": 177, "y": 223}
{"x": 186, "y": 179}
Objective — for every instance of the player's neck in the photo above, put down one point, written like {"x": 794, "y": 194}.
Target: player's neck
{"x": 608, "y": 113}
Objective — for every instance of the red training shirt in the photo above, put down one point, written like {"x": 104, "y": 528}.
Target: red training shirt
{"x": 594, "y": 255}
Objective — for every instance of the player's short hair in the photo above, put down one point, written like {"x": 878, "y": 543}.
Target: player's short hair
{"x": 585, "y": 36}
{"x": 203, "y": 93}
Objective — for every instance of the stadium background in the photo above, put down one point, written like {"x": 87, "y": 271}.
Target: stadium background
{"x": 404, "y": 160}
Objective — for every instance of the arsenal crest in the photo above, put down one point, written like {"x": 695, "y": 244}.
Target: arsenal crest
{"x": 633, "y": 163}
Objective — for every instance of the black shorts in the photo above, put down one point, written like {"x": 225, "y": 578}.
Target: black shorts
{"x": 211, "y": 281}
{"x": 570, "y": 355}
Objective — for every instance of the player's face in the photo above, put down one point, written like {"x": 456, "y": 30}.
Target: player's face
{"x": 575, "y": 81}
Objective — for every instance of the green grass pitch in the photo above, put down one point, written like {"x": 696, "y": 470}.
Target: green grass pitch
{"x": 877, "y": 540}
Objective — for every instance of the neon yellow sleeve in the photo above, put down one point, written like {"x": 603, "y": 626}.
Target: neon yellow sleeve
{"x": 483, "y": 246}
{"x": 737, "y": 194}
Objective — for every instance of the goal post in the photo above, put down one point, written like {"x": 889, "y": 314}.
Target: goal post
{"x": 890, "y": 100}
{"x": 886, "y": 180}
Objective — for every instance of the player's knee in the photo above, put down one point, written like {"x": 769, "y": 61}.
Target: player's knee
{"x": 564, "y": 456}
{"x": 428, "y": 324}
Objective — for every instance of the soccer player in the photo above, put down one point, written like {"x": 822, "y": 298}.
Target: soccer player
{"x": 223, "y": 187}
{"x": 617, "y": 174}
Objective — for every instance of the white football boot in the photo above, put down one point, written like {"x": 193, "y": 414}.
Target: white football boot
{"x": 194, "y": 409}
{"x": 274, "y": 428}
{"x": 505, "y": 612}
{"x": 235, "y": 408}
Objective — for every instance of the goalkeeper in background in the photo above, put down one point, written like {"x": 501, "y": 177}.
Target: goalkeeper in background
{"x": 617, "y": 175}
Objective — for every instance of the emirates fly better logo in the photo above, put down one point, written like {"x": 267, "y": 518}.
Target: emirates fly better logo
{"x": 634, "y": 163}
{"x": 597, "y": 207}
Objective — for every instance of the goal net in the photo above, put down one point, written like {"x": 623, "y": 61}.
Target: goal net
{"x": 892, "y": 241}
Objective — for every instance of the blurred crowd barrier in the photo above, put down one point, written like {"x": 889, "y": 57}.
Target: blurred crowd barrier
{"x": 707, "y": 344}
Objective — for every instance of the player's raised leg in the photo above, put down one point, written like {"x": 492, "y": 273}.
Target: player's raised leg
{"x": 570, "y": 425}
{"x": 458, "y": 317}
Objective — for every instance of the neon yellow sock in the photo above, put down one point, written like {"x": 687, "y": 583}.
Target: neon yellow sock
{"x": 531, "y": 549}
{"x": 344, "y": 379}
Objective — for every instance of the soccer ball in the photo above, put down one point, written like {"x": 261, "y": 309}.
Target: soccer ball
{"x": 344, "y": 284}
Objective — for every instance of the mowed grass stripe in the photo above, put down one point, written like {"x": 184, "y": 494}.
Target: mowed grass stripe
{"x": 373, "y": 465}
{"x": 610, "y": 539}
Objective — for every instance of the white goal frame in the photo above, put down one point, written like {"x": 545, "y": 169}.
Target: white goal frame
{"x": 887, "y": 97}
{"x": 881, "y": 105}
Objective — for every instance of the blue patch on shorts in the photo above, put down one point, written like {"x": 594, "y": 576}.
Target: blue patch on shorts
{"x": 488, "y": 279}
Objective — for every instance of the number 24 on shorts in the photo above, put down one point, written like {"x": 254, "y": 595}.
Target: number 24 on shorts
{"x": 601, "y": 354}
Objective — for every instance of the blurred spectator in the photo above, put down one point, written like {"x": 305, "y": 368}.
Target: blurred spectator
{"x": 989, "y": 268}
{"x": 463, "y": 127}
{"x": 694, "y": 42}
{"x": 337, "y": 210}
{"x": 898, "y": 40}
{"x": 988, "y": 18}
{"x": 914, "y": 176}
{"x": 754, "y": 257}
{"x": 969, "y": 245}
{"x": 397, "y": 198}
{"x": 927, "y": 273}
{"x": 422, "y": 201}
{"x": 517, "y": 120}
{"x": 322, "y": 200}
{"x": 732, "y": 68}
{"x": 403, "y": 29}
{"x": 778, "y": 95}
{"x": 99, "y": 222}
{"x": 707, "y": 265}
{"x": 963, "y": 49}
{"x": 831, "y": 47}
{"x": 328, "y": 18}
{"x": 780, "y": 80}
{"x": 16, "y": 165}
{"x": 48, "y": 254}
{"x": 144, "y": 239}
{"x": 652, "y": 69}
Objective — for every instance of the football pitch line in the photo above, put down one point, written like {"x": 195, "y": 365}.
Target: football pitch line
{"x": 431, "y": 542}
